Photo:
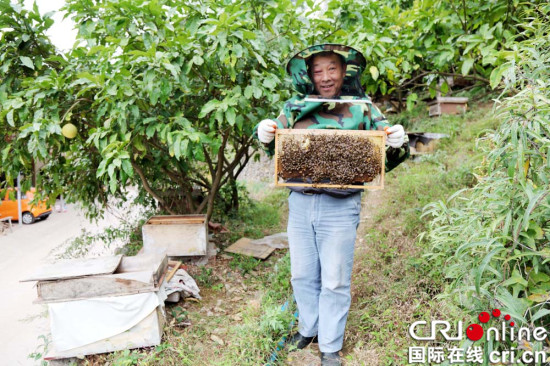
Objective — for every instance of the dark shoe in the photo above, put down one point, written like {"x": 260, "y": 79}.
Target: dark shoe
{"x": 299, "y": 341}
{"x": 330, "y": 359}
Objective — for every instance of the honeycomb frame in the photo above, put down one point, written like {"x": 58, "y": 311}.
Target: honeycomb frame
{"x": 378, "y": 138}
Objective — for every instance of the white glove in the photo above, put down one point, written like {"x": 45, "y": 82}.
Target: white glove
{"x": 396, "y": 136}
{"x": 266, "y": 131}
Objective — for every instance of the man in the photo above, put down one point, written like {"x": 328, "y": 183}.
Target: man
{"x": 323, "y": 222}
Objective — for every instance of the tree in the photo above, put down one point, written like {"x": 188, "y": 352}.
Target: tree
{"x": 412, "y": 46}
{"x": 164, "y": 95}
{"x": 25, "y": 53}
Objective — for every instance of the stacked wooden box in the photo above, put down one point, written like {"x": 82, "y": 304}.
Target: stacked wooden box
{"x": 75, "y": 284}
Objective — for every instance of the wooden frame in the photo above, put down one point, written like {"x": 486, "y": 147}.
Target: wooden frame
{"x": 377, "y": 137}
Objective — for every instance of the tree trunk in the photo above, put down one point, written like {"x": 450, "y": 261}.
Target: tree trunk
{"x": 217, "y": 177}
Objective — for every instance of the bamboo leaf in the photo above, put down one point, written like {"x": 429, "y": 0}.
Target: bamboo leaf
{"x": 479, "y": 271}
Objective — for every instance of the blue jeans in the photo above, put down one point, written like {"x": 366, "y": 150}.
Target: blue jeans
{"x": 321, "y": 236}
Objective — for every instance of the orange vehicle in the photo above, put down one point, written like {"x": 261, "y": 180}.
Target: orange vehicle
{"x": 8, "y": 207}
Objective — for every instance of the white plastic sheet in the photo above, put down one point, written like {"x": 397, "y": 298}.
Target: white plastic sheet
{"x": 78, "y": 323}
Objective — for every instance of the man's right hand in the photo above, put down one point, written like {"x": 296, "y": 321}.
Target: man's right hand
{"x": 266, "y": 131}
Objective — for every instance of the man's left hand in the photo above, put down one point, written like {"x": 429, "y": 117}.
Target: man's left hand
{"x": 396, "y": 136}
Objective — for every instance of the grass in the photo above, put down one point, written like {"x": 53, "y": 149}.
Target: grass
{"x": 256, "y": 219}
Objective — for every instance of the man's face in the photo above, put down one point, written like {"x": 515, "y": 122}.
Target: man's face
{"x": 328, "y": 75}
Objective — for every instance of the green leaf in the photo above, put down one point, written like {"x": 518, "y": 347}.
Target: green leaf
{"x": 496, "y": 75}
{"x": 27, "y": 62}
{"x": 197, "y": 60}
{"x": 172, "y": 68}
{"x": 248, "y": 34}
{"x": 383, "y": 87}
{"x": 257, "y": 92}
{"x": 539, "y": 277}
{"x": 538, "y": 298}
{"x": 209, "y": 107}
{"x": 248, "y": 92}
{"x": 411, "y": 99}
{"x": 177, "y": 147}
{"x": 112, "y": 185}
{"x": 444, "y": 88}
{"x": 532, "y": 202}
{"x": 539, "y": 314}
{"x": 127, "y": 167}
{"x": 374, "y": 72}
{"x": 9, "y": 117}
{"x": 514, "y": 306}
{"x": 479, "y": 271}
{"x": 230, "y": 115}
{"x": 516, "y": 278}
{"x": 269, "y": 83}
{"x": 467, "y": 65}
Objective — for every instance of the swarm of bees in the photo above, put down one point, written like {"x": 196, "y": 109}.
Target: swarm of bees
{"x": 334, "y": 159}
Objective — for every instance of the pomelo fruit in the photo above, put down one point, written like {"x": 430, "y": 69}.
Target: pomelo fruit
{"x": 69, "y": 131}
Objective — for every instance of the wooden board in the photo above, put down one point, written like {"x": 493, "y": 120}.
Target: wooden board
{"x": 376, "y": 137}
{"x": 75, "y": 268}
{"x": 176, "y": 219}
{"x": 156, "y": 262}
{"x": 244, "y": 246}
{"x": 95, "y": 286}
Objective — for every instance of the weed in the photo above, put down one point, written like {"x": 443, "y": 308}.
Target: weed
{"x": 41, "y": 350}
{"x": 244, "y": 263}
{"x": 128, "y": 358}
{"x": 205, "y": 278}
{"x": 179, "y": 314}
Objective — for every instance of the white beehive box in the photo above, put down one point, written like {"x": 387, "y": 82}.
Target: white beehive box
{"x": 78, "y": 284}
{"x": 178, "y": 235}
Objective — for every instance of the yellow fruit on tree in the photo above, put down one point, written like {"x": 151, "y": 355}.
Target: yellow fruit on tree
{"x": 69, "y": 131}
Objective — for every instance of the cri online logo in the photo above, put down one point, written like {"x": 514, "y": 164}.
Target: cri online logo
{"x": 475, "y": 332}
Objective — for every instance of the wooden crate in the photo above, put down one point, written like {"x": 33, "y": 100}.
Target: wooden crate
{"x": 77, "y": 281}
{"x": 133, "y": 275}
{"x": 178, "y": 235}
{"x": 146, "y": 333}
{"x": 378, "y": 138}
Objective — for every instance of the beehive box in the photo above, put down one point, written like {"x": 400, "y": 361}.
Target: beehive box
{"x": 447, "y": 105}
{"x": 100, "y": 277}
{"x": 76, "y": 286}
{"x": 178, "y": 235}
{"x": 339, "y": 159}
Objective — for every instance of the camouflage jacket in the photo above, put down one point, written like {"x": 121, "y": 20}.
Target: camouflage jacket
{"x": 299, "y": 113}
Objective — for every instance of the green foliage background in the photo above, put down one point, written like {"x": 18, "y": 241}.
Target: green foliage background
{"x": 164, "y": 94}
{"x": 493, "y": 239}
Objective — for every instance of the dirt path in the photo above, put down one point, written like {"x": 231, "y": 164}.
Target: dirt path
{"x": 21, "y": 252}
